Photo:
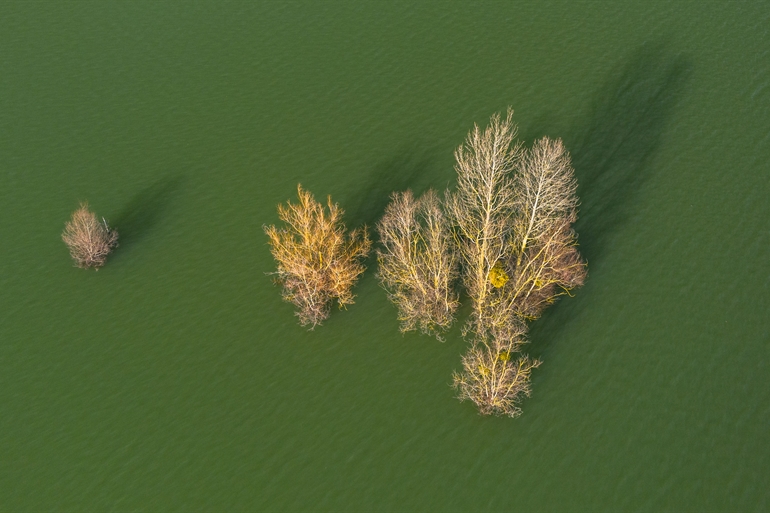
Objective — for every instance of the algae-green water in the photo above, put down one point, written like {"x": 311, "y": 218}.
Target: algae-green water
{"x": 176, "y": 379}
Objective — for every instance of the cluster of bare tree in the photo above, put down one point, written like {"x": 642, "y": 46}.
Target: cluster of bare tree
{"x": 505, "y": 234}
{"x": 508, "y": 224}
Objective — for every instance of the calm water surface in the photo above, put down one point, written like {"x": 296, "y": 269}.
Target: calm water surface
{"x": 176, "y": 379}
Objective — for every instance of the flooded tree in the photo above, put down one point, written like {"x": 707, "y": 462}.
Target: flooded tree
{"x": 494, "y": 377}
{"x": 481, "y": 209}
{"x": 418, "y": 262}
{"x": 544, "y": 261}
{"x": 318, "y": 261}
{"x": 89, "y": 240}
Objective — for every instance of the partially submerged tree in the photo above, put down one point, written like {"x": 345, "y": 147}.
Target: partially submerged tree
{"x": 506, "y": 231}
{"x": 481, "y": 209}
{"x": 318, "y": 261}
{"x": 418, "y": 262}
{"x": 545, "y": 261}
{"x": 494, "y": 378}
{"x": 512, "y": 212}
{"x": 88, "y": 240}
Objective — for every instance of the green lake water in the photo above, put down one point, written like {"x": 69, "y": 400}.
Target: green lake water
{"x": 175, "y": 379}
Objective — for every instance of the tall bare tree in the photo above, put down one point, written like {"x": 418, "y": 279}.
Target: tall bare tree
{"x": 481, "y": 207}
{"x": 418, "y": 262}
{"x": 318, "y": 261}
{"x": 543, "y": 262}
{"x": 88, "y": 240}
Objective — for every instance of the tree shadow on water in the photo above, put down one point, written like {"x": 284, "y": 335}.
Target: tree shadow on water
{"x": 408, "y": 169}
{"x": 612, "y": 154}
{"x": 144, "y": 211}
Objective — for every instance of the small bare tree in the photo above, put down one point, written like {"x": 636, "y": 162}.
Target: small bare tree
{"x": 88, "y": 240}
{"x": 317, "y": 261}
{"x": 495, "y": 377}
{"x": 418, "y": 262}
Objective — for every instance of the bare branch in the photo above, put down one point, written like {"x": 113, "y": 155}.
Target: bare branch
{"x": 545, "y": 262}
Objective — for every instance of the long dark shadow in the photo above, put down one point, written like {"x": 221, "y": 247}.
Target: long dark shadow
{"x": 612, "y": 154}
{"x": 408, "y": 169}
{"x": 145, "y": 210}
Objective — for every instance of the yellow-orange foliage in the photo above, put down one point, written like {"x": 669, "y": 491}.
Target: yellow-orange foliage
{"x": 88, "y": 240}
{"x": 317, "y": 261}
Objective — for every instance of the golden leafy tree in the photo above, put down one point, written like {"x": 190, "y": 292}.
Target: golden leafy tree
{"x": 418, "y": 262}
{"x": 318, "y": 261}
{"x": 88, "y": 240}
{"x": 512, "y": 211}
